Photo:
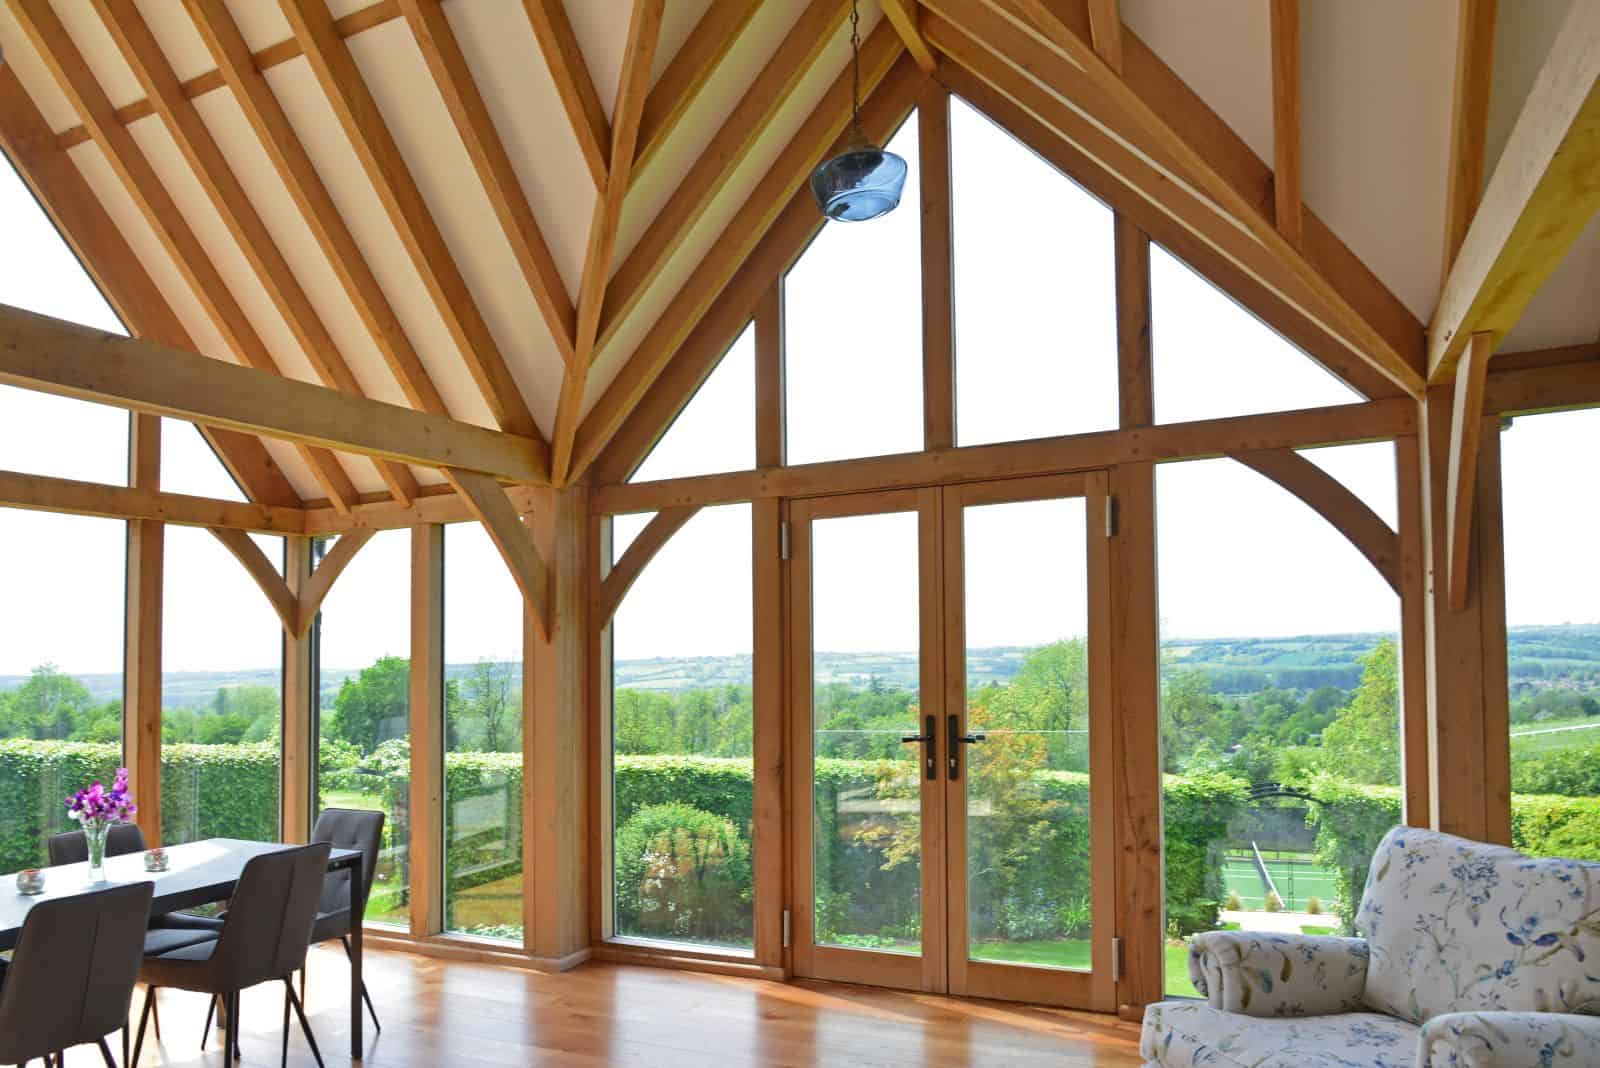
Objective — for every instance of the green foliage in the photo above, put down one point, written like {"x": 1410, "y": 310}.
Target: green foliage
{"x": 1351, "y": 819}
{"x": 684, "y": 873}
{"x": 372, "y": 706}
{"x": 1363, "y": 743}
{"x": 1574, "y": 772}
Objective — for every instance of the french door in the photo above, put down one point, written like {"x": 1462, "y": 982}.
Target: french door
{"x": 950, "y": 702}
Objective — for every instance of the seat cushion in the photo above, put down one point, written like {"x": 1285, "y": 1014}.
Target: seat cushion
{"x": 1455, "y": 925}
{"x": 186, "y": 921}
{"x": 163, "y": 940}
{"x": 1191, "y": 1034}
{"x": 330, "y": 925}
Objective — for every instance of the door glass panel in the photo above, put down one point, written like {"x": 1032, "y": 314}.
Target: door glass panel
{"x": 867, "y": 855}
{"x": 1027, "y": 626}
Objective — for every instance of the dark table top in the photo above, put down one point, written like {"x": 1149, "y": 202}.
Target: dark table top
{"x": 198, "y": 873}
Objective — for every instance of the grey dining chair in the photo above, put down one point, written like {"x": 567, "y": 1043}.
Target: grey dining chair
{"x": 264, "y": 938}
{"x": 71, "y": 979}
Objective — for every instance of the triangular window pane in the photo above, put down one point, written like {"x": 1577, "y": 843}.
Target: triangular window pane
{"x": 716, "y": 431}
{"x": 853, "y": 332}
{"x": 39, "y": 433}
{"x": 1035, "y": 292}
{"x": 1214, "y": 359}
{"x": 189, "y": 466}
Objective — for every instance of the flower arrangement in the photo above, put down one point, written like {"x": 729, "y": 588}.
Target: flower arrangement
{"x": 97, "y": 809}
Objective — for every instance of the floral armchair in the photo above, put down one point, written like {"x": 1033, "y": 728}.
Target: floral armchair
{"x": 1470, "y": 956}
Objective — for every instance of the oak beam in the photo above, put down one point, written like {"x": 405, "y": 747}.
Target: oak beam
{"x": 242, "y": 74}
{"x": 728, "y": 148}
{"x": 614, "y": 587}
{"x": 42, "y": 493}
{"x": 454, "y": 78}
{"x": 573, "y": 84}
{"x": 709, "y": 43}
{"x": 644, "y": 32}
{"x": 1105, "y": 31}
{"x": 1136, "y": 403}
{"x": 489, "y": 503}
{"x": 143, "y": 603}
{"x": 1466, "y": 428}
{"x": 902, "y": 15}
{"x": 37, "y": 352}
{"x": 274, "y": 587}
{"x": 1305, "y": 428}
{"x": 1469, "y": 123}
{"x": 425, "y": 852}
{"x": 1544, "y": 191}
{"x": 772, "y": 405}
{"x": 1285, "y": 23}
{"x": 938, "y": 270}
{"x": 297, "y": 795}
{"x": 320, "y": 582}
{"x": 386, "y": 168}
{"x": 1333, "y": 501}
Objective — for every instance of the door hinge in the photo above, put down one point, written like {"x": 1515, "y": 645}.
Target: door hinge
{"x": 1111, "y": 517}
{"x": 783, "y": 544}
{"x": 1116, "y": 960}
{"x": 788, "y": 928}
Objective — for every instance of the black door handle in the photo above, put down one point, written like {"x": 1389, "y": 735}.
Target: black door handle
{"x": 957, "y": 740}
{"x": 930, "y": 742}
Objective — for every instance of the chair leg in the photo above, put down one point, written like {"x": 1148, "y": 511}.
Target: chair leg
{"x": 288, "y": 988}
{"x": 105, "y": 1051}
{"x": 305, "y": 1025}
{"x": 126, "y": 1062}
{"x": 211, "y": 1010}
{"x": 234, "y": 1015}
{"x": 144, "y": 1017}
{"x": 376, "y": 1026}
{"x": 155, "y": 1011}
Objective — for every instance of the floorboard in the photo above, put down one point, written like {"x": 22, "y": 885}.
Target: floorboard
{"x": 438, "y": 1012}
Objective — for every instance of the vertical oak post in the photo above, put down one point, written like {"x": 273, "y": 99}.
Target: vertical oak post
{"x": 141, "y": 703}
{"x": 299, "y": 696}
{"x": 426, "y": 802}
{"x": 767, "y": 691}
{"x": 771, "y": 406}
{"x": 1415, "y": 777}
{"x": 938, "y": 282}
{"x": 555, "y": 737}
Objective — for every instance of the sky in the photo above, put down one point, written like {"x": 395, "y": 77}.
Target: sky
{"x": 1035, "y": 336}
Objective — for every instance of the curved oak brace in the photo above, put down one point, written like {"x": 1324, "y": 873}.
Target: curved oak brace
{"x": 1330, "y": 498}
{"x": 322, "y": 579}
{"x": 248, "y": 553}
{"x": 487, "y": 500}
{"x": 656, "y": 534}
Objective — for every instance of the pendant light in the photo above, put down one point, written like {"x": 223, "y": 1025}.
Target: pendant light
{"x": 864, "y": 181}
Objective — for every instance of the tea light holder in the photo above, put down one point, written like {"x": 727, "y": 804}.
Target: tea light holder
{"x": 30, "y": 881}
{"x": 155, "y": 859}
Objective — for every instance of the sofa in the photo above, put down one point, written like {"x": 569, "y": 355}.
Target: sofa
{"x": 1469, "y": 956}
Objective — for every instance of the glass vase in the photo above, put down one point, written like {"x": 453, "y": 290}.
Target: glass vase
{"x": 95, "y": 832}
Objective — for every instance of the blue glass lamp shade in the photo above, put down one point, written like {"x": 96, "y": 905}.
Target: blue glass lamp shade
{"x": 859, "y": 184}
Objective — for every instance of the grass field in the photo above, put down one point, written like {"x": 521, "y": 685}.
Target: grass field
{"x": 1074, "y": 953}
{"x": 1297, "y": 882}
{"x": 1545, "y": 737}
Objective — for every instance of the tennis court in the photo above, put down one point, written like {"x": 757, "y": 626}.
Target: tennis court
{"x": 1296, "y": 875}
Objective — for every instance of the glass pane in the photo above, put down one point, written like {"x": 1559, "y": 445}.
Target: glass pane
{"x": 483, "y": 738}
{"x": 1280, "y": 717}
{"x": 189, "y": 466}
{"x": 60, "y": 671}
{"x": 716, "y": 431}
{"x": 221, "y": 693}
{"x": 866, "y": 814}
{"x": 363, "y": 706}
{"x": 1212, "y": 358}
{"x": 853, "y": 333}
{"x": 1035, "y": 320}
{"x": 682, "y": 730}
{"x": 1027, "y": 626}
{"x": 1553, "y": 634}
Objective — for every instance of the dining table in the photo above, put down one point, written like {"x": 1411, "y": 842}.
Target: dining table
{"x": 197, "y": 873}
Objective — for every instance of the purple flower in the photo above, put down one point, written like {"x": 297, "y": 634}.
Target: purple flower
{"x": 97, "y": 804}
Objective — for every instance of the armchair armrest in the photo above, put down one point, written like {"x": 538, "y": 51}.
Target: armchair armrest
{"x": 1262, "y": 974}
{"x": 1508, "y": 1040}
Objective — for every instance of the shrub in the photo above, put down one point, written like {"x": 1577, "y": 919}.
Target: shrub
{"x": 1274, "y": 902}
{"x": 1314, "y": 906}
{"x": 1233, "y": 902}
{"x": 682, "y": 872}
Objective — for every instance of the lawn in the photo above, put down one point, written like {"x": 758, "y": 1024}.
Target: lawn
{"x": 1074, "y": 953}
{"x": 1543, "y": 737}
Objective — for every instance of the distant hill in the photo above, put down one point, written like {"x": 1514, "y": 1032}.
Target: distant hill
{"x": 1567, "y": 655}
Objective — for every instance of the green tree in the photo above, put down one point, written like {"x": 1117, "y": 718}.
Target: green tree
{"x": 372, "y": 706}
{"x": 48, "y": 705}
{"x": 1363, "y": 742}
{"x": 488, "y": 697}
{"x": 1189, "y": 716}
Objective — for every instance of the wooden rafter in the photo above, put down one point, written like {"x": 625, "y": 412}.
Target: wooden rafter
{"x": 709, "y": 43}
{"x": 385, "y": 514}
{"x": 1285, "y": 21}
{"x": 1150, "y": 107}
{"x": 728, "y": 148}
{"x": 1181, "y": 221}
{"x": 1469, "y": 123}
{"x": 295, "y": 611}
{"x": 242, "y": 75}
{"x": 902, "y": 15}
{"x": 471, "y": 117}
{"x": 1544, "y": 191}
{"x": 1105, "y": 31}
{"x": 380, "y": 157}
{"x": 573, "y": 84}
{"x": 1466, "y": 432}
{"x": 357, "y": 21}
{"x": 145, "y": 58}
{"x": 1332, "y": 500}
{"x": 37, "y": 352}
{"x": 614, "y": 587}
{"x": 43, "y": 493}
{"x": 644, "y": 31}
{"x": 77, "y": 81}
{"x": 489, "y": 503}
{"x": 83, "y": 222}
{"x": 818, "y": 135}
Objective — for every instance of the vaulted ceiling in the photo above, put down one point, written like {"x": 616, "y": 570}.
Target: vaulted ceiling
{"x": 500, "y": 209}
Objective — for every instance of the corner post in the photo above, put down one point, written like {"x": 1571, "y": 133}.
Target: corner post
{"x": 299, "y": 693}
{"x": 141, "y": 700}
{"x": 426, "y": 805}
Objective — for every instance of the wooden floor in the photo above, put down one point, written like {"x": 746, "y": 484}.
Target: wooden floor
{"x": 439, "y": 1012}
